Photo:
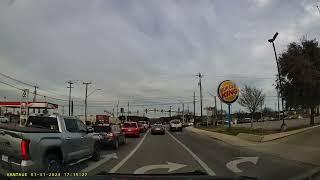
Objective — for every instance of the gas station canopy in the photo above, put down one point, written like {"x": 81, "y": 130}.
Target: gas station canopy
{"x": 17, "y": 104}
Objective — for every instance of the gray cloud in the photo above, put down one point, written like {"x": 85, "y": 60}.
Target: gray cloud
{"x": 148, "y": 49}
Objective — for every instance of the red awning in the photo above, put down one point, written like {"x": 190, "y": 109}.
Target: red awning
{"x": 18, "y": 104}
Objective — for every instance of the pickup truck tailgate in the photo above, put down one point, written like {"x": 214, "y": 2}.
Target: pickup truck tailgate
{"x": 10, "y": 144}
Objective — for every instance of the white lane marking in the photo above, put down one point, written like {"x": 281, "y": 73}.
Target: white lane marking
{"x": 202, "y": 164}
{"x": 97, "y": 164}
{"x": 171, "y": 166}
{"x": 118, "y": 166}
{"x": 233, "y": 165}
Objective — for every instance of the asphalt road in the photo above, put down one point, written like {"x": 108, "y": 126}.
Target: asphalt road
{"x": 217, "y": 154}
{"x": 180, "y": 152}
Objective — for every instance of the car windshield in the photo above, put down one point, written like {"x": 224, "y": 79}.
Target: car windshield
{"x": 175, "y": 122}
{"x": 105, "y": 129}
{"x": 234, "y": 86}
{"x": 129, "y": 125}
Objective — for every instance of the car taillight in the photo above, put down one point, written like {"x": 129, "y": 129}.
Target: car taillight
{"x": 25, "y": 149}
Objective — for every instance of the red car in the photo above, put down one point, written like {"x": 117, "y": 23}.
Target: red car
{"x": 131, "y": 129}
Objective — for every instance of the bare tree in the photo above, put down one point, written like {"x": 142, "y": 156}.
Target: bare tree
{"x": 251, "y": 98}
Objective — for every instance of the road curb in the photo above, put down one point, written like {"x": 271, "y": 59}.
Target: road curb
{"x": 271, "y": 137}
{"x": 229, "y": 139}
{"x": 244, "y": 139}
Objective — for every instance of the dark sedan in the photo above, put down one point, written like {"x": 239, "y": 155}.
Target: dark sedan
{"x": 158, "y": 129}
{"x": 111, "y": 135}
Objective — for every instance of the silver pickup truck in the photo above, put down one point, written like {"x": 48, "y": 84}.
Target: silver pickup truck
{"x": 46, "y": 144}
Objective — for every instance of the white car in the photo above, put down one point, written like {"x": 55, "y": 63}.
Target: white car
{"x": 175, "y": 125}
{"x": 4, "y": 119}
{"x": 190, "y": 124}
{"x": 145, "y": 124}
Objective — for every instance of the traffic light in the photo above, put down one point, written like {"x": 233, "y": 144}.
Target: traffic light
{"x": 146, "y": 111}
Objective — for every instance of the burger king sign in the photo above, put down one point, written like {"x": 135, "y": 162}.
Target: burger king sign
{"x": 228, "y": 91}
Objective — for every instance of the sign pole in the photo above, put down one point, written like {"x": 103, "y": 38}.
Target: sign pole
{"x": 229, "y": 114}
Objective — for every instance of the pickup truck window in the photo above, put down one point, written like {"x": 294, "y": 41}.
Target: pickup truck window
{"x": 43, "y": 122}
{"x": 105, "y": 129}
{"x": 81, "y": 126}
{"x": 71, "y": 125}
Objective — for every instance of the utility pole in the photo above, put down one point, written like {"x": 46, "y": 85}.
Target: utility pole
{"x": 72, "y": 107}
{"x": 85, "y": 100}
{"x": 170, "y": 111}
{"x": 183, "y": 113}
{"x": 194, "y": 107}
{"x": 34, "y": 97}
{"x": 128, "y": 110}
{"x": 70, "y": 86}
{"x": 118, "y": 109}
{"x": 5, "y": 99}
{"x": 200, "y": 86}
{"x": 35, "y": 93}
{"x": 215, "y": 107}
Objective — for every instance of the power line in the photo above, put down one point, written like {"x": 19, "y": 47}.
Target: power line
{"x": 14, "y": 79}
{"x": 10, "y": 85}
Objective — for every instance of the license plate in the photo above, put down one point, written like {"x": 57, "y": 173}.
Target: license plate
{"x": 4, "y": 158}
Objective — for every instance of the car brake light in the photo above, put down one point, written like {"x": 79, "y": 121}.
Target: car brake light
{"x": 25, "y": 149}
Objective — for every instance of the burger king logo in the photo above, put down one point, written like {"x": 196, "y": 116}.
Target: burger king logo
{"x": 228, "y": 91}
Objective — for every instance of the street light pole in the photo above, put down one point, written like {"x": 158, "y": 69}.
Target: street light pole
{"x": 86, "y": 99}
{"x": 283, "y": 126}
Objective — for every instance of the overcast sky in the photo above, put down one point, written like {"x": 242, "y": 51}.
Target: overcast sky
{"x": 146, "y": 51}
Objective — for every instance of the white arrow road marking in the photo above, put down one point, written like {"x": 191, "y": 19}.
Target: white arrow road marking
{"x": 120, "y": 164}
{"x": 209, "y": 171}
{"x": 233, "y": 165}
{"x": 97, "y": 164}
{"x": 171, "y": 166}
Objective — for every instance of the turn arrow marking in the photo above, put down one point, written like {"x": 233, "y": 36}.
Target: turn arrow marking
{"x": 233, "y": 165}
{"x": 171, "y": 166}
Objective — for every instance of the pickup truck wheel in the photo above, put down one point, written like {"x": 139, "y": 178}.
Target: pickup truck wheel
{"x": 116, "y": 144}
{"x": 52, "y": 163}
{"x": 96, "y": 152}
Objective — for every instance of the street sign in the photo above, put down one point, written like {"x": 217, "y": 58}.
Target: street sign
{"x": 24, "y": 106}
{"x": 25, "y": 94}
